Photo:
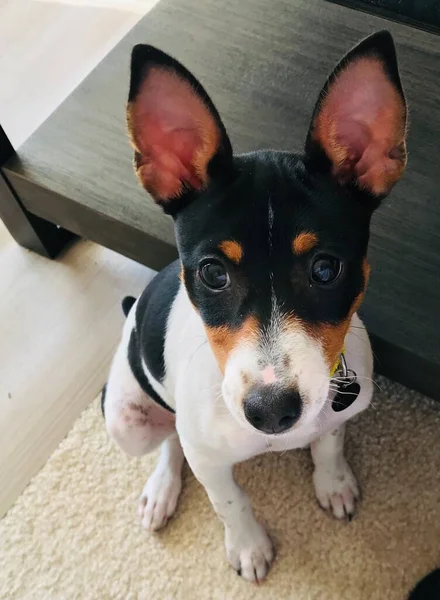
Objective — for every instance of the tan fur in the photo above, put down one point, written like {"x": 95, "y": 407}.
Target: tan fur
{"x": 224, "y": 339}
{"x": 332, "y": 336}
{"x": 304, "y": 242}
{"x": 232, "y": 250}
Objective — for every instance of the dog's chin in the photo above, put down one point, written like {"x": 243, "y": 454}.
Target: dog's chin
{"x": 314, "y": 408}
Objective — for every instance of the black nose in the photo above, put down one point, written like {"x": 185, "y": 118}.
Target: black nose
{"x": 272, "y": 410}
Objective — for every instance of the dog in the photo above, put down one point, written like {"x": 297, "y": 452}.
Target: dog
{"x": 250, "y": 341}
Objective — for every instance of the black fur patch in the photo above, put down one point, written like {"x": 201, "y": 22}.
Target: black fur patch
{"x": 428, "y": 588}
{"x": 127, "y": 304}
{"x": 262, "y": 200}
{"x": 273, "y": 198}
{"x": 148, "y": 340}
{"x": 134, "y": 359}
{"x": 152, "y": 312}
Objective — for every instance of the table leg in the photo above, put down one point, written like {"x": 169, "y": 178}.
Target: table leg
{"x": 28, "y": 230}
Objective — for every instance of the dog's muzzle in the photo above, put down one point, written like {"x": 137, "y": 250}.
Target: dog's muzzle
{"x": 272, "y": 409}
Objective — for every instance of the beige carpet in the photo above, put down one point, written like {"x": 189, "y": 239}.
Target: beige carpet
{"x": 73, "y": 532}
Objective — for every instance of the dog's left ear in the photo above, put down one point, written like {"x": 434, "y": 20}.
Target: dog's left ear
{"x": 177, "y": 134}
{"x": 358, "y": 128}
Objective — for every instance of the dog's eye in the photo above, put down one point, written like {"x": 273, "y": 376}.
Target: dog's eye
{"x": 214, "y": 275}
{"x": 325, "y": 269}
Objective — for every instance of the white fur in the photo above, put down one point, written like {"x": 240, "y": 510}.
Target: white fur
{"x": 161, "y": 492}
{"x": 215, "y": 434}
{"x": 127, "y": 427}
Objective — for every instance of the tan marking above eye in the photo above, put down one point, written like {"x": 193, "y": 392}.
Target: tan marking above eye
{"x": 232, "y": 250}
{"x": 304, "y": 242}
{"x": 224, "y": 339}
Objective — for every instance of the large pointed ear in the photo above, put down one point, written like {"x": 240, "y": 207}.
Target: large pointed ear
{"x": 358, "y": 128}
{"x": 177, "y": 134}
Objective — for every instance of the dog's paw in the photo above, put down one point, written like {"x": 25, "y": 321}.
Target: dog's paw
{"x": 159, "y": 499}
{"x": 337, "y": 490}
{"x": 249, "y": 550}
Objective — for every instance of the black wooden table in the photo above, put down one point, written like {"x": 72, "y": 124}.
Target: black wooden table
{"x": 263, "y": 62}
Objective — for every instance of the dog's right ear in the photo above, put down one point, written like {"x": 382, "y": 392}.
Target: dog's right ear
{"x": 178, "y": 137}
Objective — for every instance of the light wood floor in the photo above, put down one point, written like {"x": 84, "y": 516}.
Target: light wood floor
{"x": 59, "y": 320}
{"x": 48, "y": 47}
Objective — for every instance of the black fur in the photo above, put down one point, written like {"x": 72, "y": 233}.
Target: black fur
{"x": 127, "y": 304}
{"x": 148, "y": 338}
{"x": 428, "y": 588}
{"x": 300, "y": 200}
{"x": 152, "y": 313}
{"x": 302, "y": 196}
{"x": 262, "y": 201}
{"x": 135, "y": 361}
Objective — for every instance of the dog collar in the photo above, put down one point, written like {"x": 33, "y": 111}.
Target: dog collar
{"x": 338, "y": 364}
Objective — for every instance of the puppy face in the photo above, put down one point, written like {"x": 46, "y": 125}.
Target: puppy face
{"x": 273, "y": 245}
{"x": 274, "y": 262}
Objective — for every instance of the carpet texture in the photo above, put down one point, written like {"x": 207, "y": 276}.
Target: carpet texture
{"x": 73, "y": 533}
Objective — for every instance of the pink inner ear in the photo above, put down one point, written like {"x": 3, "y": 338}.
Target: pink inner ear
{"x": 362, "y": 124}
{"x": 174, "y": 133}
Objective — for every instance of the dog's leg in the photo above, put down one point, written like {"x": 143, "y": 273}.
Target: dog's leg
{"x": 335, "y": 485}
{"x": 248, "y": 547}
{"x": 139, "y": 425}
{"x": 135, "y": 421}
{"x": 161, "y": 492}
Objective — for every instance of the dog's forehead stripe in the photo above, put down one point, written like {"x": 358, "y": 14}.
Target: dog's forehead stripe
{"x": 232, "y": 250}
{"x": 304, "y": 242}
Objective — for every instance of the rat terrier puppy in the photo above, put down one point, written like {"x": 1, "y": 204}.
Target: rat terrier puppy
{"x": 250, "y": 341}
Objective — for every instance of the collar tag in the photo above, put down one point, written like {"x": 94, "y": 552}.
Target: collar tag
{"x": 348, "y": 386}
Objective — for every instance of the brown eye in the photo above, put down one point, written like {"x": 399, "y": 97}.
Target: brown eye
{"x": 214, "y": 275}
{"x": 325, "y": 269}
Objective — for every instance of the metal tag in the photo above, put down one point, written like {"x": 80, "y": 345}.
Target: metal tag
{"x": 349, "y": 388}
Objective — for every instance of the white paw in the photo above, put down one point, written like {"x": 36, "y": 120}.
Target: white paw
{"x": 249, "y": 550}
{"x": 337, "y": 490}
{"x": 159, "y": 499}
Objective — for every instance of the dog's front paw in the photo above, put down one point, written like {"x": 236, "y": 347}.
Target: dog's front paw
{"x": 159, "y": 499}
{"x": 249, "y": 550}
{"x": 337, "y": 490}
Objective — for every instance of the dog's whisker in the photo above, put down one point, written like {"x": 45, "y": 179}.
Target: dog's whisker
{"x": 347, "y": 393}
{"x": 343, "y": 379}
{"x": 195, "y": 351}
{"x": 269, "y": 447}
{"x": 360, "y": 338}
